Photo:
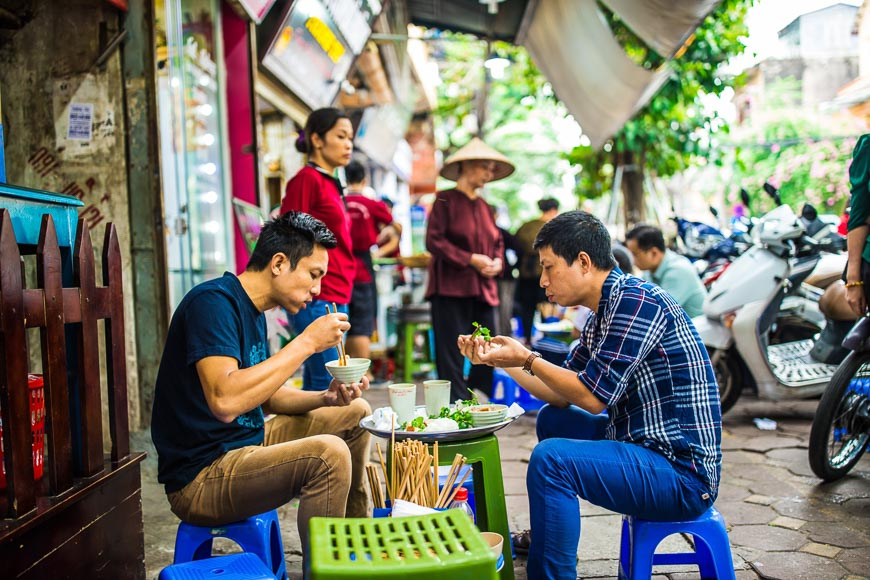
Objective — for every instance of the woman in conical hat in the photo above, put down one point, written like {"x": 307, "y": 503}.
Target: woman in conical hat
{"x": 467, "y": 251}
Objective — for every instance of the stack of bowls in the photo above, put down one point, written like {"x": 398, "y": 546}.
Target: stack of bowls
{"x": 486, "y": 415}
{"x": 352, "y": 372}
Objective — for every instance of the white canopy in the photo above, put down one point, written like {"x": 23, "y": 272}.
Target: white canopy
{"x": 573, "y": 45}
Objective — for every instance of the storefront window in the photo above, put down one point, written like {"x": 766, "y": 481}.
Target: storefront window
{"x": 192, "y": 143}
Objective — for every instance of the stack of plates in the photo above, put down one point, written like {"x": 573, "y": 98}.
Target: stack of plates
{"x": 485, "y": 415}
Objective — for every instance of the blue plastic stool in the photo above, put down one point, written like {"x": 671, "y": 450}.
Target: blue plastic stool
{"x": 244, "y": 566}
{"x": 505, "y": 390}
{"x": 259, "y": 535}
{"x": 641, "y": 537}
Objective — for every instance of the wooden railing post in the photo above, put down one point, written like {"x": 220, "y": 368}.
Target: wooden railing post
{"x": 115, "y": 352}
{"x": 14, "y": 395}
{"x": 88, "y": 396}
{"x": 58, "y": 448}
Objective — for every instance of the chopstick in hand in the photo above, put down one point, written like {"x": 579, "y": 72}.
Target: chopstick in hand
{"x": 342, "y": 359}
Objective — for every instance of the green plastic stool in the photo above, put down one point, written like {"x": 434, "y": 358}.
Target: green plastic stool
{"x": 414, "y": 320}
{"x": 483, "y": 456}
{"x": 428, "y": 547}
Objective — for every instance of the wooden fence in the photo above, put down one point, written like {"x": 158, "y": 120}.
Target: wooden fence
{"x": 84, "y": 516}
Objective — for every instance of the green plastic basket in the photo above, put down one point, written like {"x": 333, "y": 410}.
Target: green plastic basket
{"x": 429, "y": 547}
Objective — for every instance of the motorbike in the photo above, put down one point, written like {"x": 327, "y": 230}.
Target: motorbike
{"x": 708, "y": 247}
{"x": 841, "y": 426}
{"x": 761, "y": 318}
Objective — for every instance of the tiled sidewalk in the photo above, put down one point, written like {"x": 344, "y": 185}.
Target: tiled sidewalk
{"x": 783, "y": 523}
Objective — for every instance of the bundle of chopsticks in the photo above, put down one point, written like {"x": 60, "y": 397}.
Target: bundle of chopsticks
{"x": 342, "y": 358}
{"x": 413, "y": 476}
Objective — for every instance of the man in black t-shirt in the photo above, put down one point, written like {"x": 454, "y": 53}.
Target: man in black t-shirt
{"x": 217, "y": 458}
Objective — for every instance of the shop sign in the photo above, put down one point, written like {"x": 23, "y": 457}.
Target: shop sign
{"x": 256, "y": 9}
{"x": 380, "y": 130}
{"x": 354, "y": 19}
{"x": 309, "y": 53}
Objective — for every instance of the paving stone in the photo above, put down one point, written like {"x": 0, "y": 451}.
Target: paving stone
{"x": 739, "y": 456}
{"x": 767, "y": 442}
{"x": 750, "y": 472}
{"x": 766, "y": 538}
{"x": 823, "y": 550}
{"x": 598, "y": 568}
{"x": 855, "y": 560}
{"x": 731, "y": 492}
{"x": 514, "y": 485}
{"x": 797, "y": 566}
{"x": 599, "y": 538}
{"x": 804, "y": 509}
{"x": 795, "y": 459}
{"x": 787, "y": 522}
{"x": 738, "y": 513}
{"x": 836, "y": 534}
{"x": 773, "y": 487}
{"x": 759, "y": 499}
{"x": 514, "y": 469}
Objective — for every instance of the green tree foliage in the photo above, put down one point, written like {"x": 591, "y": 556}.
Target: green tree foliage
{"x": 523, "y": 119}
{"x": 791, "y": 155}
{"x": 674, "y": 128}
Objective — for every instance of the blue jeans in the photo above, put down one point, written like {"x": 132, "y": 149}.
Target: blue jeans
{"x": 573, "y": 459}
{"x": 315, "y": 377}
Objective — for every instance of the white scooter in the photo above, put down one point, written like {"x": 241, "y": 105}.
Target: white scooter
{"x": 760, "y": 316}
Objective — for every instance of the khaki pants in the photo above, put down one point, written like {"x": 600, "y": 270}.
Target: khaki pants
{"x": 319, "y": 457}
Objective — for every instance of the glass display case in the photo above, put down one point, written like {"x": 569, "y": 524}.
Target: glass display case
{"x": 192, "y": 144}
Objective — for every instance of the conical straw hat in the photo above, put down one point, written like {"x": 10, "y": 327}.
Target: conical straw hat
{"x": 477, "y": 150}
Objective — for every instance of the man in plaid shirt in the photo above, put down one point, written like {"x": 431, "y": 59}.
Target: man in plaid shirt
{"x": 655, "y": 453}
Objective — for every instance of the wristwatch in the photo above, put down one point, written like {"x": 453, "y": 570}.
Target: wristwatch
{"x": 527, "y": 366}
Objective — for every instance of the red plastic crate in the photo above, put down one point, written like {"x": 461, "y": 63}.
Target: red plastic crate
{"x": 37, "y": 428}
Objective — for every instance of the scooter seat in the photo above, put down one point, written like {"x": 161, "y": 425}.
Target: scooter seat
{"x": 857, "y": 337}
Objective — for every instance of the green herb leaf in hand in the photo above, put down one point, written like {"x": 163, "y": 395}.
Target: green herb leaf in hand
{"x": 481, "y": 331}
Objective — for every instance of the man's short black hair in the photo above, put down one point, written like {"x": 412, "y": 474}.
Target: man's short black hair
{"x": 548, "y": 204}
{"x": 355, "y": 172}
{"x": 576, "y": 231}
{"x": 294, "y": 234}
{"x": 647, "y": 237}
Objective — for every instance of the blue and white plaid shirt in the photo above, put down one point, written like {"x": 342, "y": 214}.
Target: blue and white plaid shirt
{"x": 641, "y": 355}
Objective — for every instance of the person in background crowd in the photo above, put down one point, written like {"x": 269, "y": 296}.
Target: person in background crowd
{"x": 388, "y": 245}
{"x": 368, "y": 217}
{"x": 673, "y": 272}
{"x": 656, "y": 453}
{"x": 858, "y": 266}
{"x": 218, "y": 459}
{"x": 328, "y": 142}
{"x": 466, "y": 250}
{"x": 529, "y": 292}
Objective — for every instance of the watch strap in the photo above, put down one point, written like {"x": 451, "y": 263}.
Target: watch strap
{"x": 527, "y": 366}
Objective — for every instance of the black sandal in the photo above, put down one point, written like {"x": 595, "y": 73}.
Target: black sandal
{"x": 522, "y": 540}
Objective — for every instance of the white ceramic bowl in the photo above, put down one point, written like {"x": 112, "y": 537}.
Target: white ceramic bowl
{"x": 484, "y": 415}
{"x": 352, "y": 372}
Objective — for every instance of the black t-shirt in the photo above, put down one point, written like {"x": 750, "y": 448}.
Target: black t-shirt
{"x": 216, "y": 318}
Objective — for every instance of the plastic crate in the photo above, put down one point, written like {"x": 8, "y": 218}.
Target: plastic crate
{"x": 36, "y": 388}
{"x": 430, "y": 547}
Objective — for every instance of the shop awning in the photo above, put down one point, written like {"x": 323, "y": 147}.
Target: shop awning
{"x": 571, "y": 43}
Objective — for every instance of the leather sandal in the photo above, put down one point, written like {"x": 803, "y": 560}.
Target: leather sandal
{"x": 522, "y": 540}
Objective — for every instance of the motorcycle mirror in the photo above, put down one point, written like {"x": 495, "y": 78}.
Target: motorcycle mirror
{"x": 744, "y": 197}
{"x": 769, "y": 189}
{"x": 714, "y": 211}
